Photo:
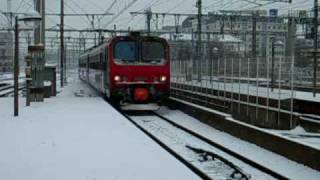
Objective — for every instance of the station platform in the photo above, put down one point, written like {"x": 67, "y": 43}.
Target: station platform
{"x": 79, "y": 136}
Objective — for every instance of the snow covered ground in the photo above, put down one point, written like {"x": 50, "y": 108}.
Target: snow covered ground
{"x": 279, "y": 163}
{"x": 77, "y": 135}
{"x": 8, "y": 79}
{"x": 5, "y": 76}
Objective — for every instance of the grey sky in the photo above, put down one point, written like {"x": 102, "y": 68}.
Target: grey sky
{"x": 125, "y": 19}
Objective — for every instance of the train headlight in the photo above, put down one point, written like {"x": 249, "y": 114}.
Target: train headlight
{"x": 117, "y": 78}
{"x": 163, "y": 78}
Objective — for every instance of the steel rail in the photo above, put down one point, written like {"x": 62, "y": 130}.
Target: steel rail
{"x": 226, "y": 150}
{"x": 9, "y": 92}
{"x": 193, "y": 168}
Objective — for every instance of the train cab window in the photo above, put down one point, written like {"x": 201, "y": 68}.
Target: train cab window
{"x": 125, "y": 52}
{"x": 153, "y": 52}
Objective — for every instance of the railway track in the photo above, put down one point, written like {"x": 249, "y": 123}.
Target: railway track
{"x": 204, "y": 157}
{"x": 311, "y": 117}
{"x": 9, "y": 89}
{"x": 310, "y": 122}
{"x": 5, "y": 87}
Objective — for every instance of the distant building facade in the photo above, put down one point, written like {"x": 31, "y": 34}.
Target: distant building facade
{"x": 268, "y": 29}
{"x": 6, "y": 52}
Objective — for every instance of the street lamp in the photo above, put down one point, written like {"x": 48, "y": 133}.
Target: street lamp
{"x": 32, "y": 20}
{"x": 215, "y": 52}
{"x": 274, "y": 44}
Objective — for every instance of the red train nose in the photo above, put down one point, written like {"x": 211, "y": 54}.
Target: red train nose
{"x": 141, "y": 94}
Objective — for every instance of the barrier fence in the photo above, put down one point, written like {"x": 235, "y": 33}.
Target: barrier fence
{"x": 260, "y": 90}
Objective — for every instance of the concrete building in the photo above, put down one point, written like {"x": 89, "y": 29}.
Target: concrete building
{"x": 268, "y": 28}
{"x": 6, "y": 52}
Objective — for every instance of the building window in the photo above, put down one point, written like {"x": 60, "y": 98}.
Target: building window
{"x": 3, "y": 53}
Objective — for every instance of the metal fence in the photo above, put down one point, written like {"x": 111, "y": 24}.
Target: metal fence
{"x": 259, "y": 90}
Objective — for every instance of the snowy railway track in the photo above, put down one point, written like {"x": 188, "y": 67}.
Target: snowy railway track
{"x": 7, "y": 90}
{"x": 206, "y": 158}
{"x": 5, "y": 87}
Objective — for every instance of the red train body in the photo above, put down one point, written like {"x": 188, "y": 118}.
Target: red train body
{"x": 129, "y": 69}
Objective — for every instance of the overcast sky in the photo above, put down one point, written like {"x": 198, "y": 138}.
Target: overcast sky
{"x": 125, "y": 20}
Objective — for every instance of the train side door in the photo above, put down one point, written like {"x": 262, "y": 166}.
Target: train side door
{"x": 101, "y": 71}
{"x": 106, "y": 72}
{"x": 87, "y": 69}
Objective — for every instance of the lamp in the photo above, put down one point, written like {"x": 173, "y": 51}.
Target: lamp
{"x": 215, "y": 52}
{"x": 32, "y": 20}
{"x": 274, "y": 44}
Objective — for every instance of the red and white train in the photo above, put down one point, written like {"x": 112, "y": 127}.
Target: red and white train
{"x": 133, "y": 71}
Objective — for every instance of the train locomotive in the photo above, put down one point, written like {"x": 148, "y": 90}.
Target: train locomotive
{"x": 131, "y": 71}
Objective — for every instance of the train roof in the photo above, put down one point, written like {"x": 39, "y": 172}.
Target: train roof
{"x": 93, "y": 49}
{"x": 96, "y": 48}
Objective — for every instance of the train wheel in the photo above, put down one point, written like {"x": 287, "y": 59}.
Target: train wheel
{"x": 115, "y": 103}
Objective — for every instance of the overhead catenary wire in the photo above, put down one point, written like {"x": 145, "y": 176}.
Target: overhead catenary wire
{"x": 119, "y": 13}
{"x": 108, "y": 9}
{"x": 20, "y": 5}
{"x": 71, "y": 8}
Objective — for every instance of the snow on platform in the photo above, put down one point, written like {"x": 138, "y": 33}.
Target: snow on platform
{"x": 249, "y": 89}
{"x": 299, "y": 134}
{"x": 77, "y": 136}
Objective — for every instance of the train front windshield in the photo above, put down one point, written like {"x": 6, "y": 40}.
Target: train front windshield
{"x": 146, "y": 52}
{"x": 153, "y": 52}
{"x": 126, "y": 52}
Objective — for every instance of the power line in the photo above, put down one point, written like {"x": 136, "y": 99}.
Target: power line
{"x": 20, "y": 4}
{"x": 121, "y": 12}
{"x": 79, "y": 14}
{"x": 177, "y": 5}
{"x": 93, "y": 3}
{"x": 108, "y": 9}
{"x": 83, "y": 19}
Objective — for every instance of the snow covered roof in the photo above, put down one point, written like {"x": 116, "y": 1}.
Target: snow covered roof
{"x": 180, "y": 36}
{"x": 50, "y": 65}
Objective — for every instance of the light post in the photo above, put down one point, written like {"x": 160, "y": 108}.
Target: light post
{"x": 28, "y": 59}
{"x": 34, "y": 18}
{"x": 274, "y": 44}
{"x": 215, "y": 52}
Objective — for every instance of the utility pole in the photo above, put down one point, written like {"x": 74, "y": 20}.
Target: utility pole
{"x": 65, "y": 62}
{"x": 39, "y": 64}
{"x": 148, "y": 20}
{"x": 93, "y": 27}
{"x": 43, "y": 23}
{"x": 39, "y": 33}
{"x": 199, "y": 30}
{"x": 254, "y": 36}
{"x": 62, "y": 44}
{"x": 176, "y": 23}
{"x": 10, "y": 14}
{"x": 16, "y": 68}
{"x": 315, "y": 43}
{"x": 272, "y": 64}
{"x": 148, "y": 13}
